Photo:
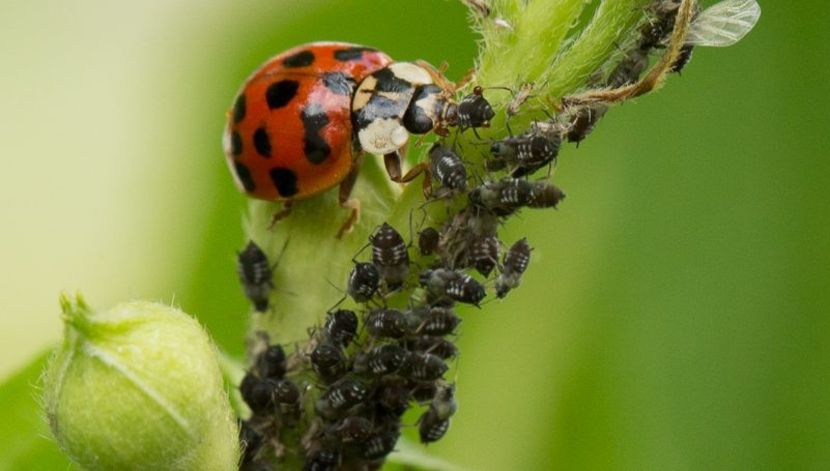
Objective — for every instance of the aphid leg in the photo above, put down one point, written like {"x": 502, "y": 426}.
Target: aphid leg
{"x": 346, "y": 201}
{"x": 281, "y": 214}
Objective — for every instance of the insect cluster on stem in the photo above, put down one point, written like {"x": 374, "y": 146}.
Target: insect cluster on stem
{"x": 338, "y": 399}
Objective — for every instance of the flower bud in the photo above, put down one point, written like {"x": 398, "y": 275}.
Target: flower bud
{"x": 138, "y": 387}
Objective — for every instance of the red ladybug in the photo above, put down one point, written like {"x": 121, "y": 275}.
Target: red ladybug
{"x": 301, "y": 120}
{"x": 289, "y": 132}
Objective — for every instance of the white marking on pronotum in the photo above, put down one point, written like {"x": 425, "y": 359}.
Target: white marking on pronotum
{"x": 412, "y": 73}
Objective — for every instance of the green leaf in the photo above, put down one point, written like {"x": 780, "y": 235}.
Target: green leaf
{"x": 25, "y": 440}
{"x": 408, "y": 456}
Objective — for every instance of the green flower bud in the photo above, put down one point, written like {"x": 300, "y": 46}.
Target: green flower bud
{"x": 139, "y": 387}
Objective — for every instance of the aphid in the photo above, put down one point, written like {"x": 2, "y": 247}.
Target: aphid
{"x": 424, "y": 392}
{"x": 381, "y": 443}
{"x": 515, "y": 263}
{"x": 271, "y": 362}
{"x": 474, "y": 111}
{"x": 447, "y": 168}
{"x": 363, "y": 282}
{"x": 443, "y": 284}
{"x": 519, "y": 98}
{"x": 381, "y": 361}
{"x": 394, "y": 395}
{"x": 504, "y": 196}
{"x": 431, "y": 428}
{"x": 289, "y": 134}
{"x": 683, "y": 58}
{"x": 328, "y": 361}
{"x": 435, "y": 422}
{"x": 428, "y": 241}
{"x": 483, "y": 254}
{"x": 341, "y": 396}
{"x": 386, "y": 323}
{"x": 424, "y": 367}
{"x": 287, "y": 398}
{"x": 584, "y": 120}
{"x": 720, "y": 25}
{"x": 255, "y": 275}
{"x": 435, "y": 345}
{"x": 390, "y": 256}
{"x": 527, "y": 152}
{"x": 341, "y": 326}
{"x": 250, "y": 441}
{"x": 257, "y": 393}
{"x": 354, "y": 429}
{"x": 629, "y": 69}
{"x": 435, "y": 321}
{"x": 322, "y": 459}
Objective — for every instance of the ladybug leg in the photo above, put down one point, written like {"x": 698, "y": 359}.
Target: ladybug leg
{"x": 437, "y": 76}
{"x": 467, "y": 78}
{"x": 281, "y": 214}
{"x": 392, "y": 161}
{"x": 346, "y": 201}
{"x": 417, "y": 170}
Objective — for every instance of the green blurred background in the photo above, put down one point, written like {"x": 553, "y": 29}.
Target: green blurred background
{"x": 675, "y": 315}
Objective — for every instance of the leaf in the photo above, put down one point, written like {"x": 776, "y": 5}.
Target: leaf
{"x": 408, "y": 456}
{"x": 25, "y": 439}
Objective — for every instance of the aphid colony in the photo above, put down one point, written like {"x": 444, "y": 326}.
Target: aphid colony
{"x": 348, "y": 387}
{"x": 370, "y": 366}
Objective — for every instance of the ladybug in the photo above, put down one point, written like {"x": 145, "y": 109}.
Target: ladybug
{"x": 298, "y": 124}
{"x": 289, "y": 131}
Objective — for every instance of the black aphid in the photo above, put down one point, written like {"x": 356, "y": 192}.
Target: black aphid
{"x": 515, "y": 263}
{"x": 255, "y": 275}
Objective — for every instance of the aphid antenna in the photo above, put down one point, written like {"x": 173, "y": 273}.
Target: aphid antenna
{"x": 338, "y": 303}
{"x": 354, "y": 258}
{"x": 424, "y": 216}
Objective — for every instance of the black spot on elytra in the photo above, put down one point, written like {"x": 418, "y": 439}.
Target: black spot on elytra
{"x": 262, "y": 143}
{"x": 352, "y": 53}
{"x": 244, "y": 176}
{"x": 281, "y": 93}
{"x": 239, "y": 109}
{"x": 339, "y": 83}
{"x": 236, "y": 143}
{"x": 300, "y": 59}
{"x": 285, "y": 181}
{"x": 389, "y": 82}
{"x": 314, "y": 120}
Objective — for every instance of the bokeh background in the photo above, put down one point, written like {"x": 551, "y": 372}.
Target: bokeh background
{"x": 675, "y": 315}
